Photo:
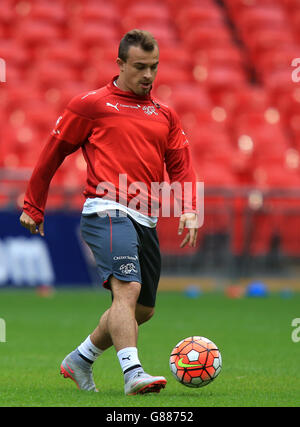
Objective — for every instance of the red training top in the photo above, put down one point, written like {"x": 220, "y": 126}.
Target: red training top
{"x": 119, "y": 133}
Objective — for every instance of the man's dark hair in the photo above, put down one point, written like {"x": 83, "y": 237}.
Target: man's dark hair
{"x": 141, "y": 38}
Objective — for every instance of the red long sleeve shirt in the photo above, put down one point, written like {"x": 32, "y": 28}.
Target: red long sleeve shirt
{"x": 119, "y": 133}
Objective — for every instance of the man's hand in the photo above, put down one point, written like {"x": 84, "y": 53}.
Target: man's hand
{"x": 31, "y": 225}
{"x": 190, "y": 221}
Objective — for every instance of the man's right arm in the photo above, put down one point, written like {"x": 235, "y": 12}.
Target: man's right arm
{"x": 27, "y": 222}
{"x": 72, "y": 130}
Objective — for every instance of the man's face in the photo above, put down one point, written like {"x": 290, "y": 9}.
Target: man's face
{"x": 138, "y": 73}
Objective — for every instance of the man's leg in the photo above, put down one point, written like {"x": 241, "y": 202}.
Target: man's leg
{"x": 122, "y": 327}
{"x": 101, "y": 338}
{"x": 118, "y": 326}
{"x": 121, "y": 322}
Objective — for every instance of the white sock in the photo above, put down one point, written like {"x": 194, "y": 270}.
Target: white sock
{"x": 89, "y": 350}
{"x": 128, "y": 358}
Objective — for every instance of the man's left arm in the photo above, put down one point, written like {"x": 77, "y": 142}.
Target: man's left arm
{"x": 180, "y": 169}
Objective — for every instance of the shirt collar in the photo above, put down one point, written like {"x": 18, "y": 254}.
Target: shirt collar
{"x": 128, "y": 94}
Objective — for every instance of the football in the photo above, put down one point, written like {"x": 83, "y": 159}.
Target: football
{"x": 195, "y": 361}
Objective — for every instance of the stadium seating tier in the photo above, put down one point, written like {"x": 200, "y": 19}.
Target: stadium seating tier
{"x": 225, "y": 67}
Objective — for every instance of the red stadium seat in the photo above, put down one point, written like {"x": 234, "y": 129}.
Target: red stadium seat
{"x": 271, "y": 154}
{"x": 208, "y": 137}
{"x": 219, "y": 77}
{"x": 197, "y": 15}
{"x": 289, "y": 227}
{"x": 3, "y": 34}
{"x": 101, "y": 53}
{"x": 288, "y": 103}
{"x": 90, "y": 34}
{"x": 190, "y": 97}
{"x": 201, "y": 38}
{"x": 31, "y": 111}
{"x": 236, "y": 7}
{"x": 176, "y": 55}
{"x": 245, "y": 99}
{"x": 17, "y": 95}
{"x": 259, "y": 120}
{"x": 260, "y": 128}
{"x": 36, "y": 33}
{"x": 64, "y": 51}
{"x": 14, "y": 53}
{"x": 52, "y": 73}
{"x": 279, "y": 81}
{"x": 14, "y": 75}
{"x": 61, "y": 96}
{"x": 167, "y": 75}
{"x": 47, "y": 11}
{"x": 282, "y": 206}
{"x": 263, "y": 40}
{"x": 6, "y": 12}
{"x": 262, "y": 227}
{"x": 218, "y": 180}
{"x": 39, "y": 115}
{"x": 123, "y": 5}
{"x": 291, "y": 5}
{"x": 276, "y": 59}
{"x": 98, "y": 11}
{"x": 7, "y": 134}
{"x": 217, "y": 213}
{"x": 262, "y": 17}
{"x": 192, "y": 120}
{"x": 175, "y": 5}
{"x": 229, "y": 55}
{"x": 164, "y": 34}
{"x": 212, "y": 147}
{"x": 295, "y": 20}
{"x": 99, "y": 73}
{"x": 212, "y": 176}
{"x": 139, "y": 15}
{"x": 294, "y": 128}
{"x": 24, "y": 146}
{"x": 279, "y": 177}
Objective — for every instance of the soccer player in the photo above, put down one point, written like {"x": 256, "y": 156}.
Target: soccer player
{"x": 126, "y": 138}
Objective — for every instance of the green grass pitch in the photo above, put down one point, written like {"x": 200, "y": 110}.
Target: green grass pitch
{"x": 260, "y": 359}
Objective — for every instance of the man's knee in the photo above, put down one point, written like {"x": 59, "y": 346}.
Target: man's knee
{"x": 143, "y": 313}
{"x": 125, "y": 290}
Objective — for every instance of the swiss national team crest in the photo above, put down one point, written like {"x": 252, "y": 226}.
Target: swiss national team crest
{"x": 128, "y": 268}
{"x": 150, "y": 110}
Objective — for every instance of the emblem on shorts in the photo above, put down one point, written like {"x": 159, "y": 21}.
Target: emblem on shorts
{"x": 128, "y": 268}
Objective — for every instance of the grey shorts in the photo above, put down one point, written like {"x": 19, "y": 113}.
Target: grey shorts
{"x": 126, "y": 250}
